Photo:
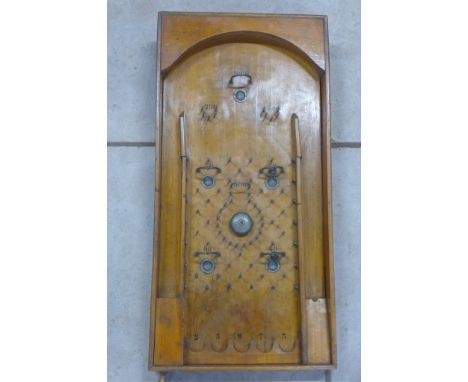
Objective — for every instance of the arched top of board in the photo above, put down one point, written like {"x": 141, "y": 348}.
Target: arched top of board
{"x": 300, "y": 33}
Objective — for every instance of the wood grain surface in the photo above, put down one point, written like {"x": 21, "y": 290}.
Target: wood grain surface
{"x": 181, "y": 31}
{"x": 261, "y": 298}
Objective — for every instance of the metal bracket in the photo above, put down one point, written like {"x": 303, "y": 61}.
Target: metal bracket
{"x": 273, "y": 262}
{"x": 240, "y": 80}
{"x": 271, "y": 174}
{"x": 208, "y": 264}
{"x": 208, "y": 166}
{"x": 208, "y": 179}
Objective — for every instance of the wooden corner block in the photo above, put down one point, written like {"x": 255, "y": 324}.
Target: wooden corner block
{"x": 169, "y": 337}
{"x": 318, "y": 344}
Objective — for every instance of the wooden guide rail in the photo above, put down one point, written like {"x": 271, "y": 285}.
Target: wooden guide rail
{"x": 183, "y": 202}
{"x": 302, "y": 279}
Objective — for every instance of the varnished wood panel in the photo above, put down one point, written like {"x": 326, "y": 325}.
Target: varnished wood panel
{"x": 170, "y": 231}
{"x": 257, "y": 143}
{"x": 253, "y": 356}
{"x": 318, "y": 332}
{"x": 184, "y": 30}
{"x": 241, "y": 314}
{"x": 258, "y": 367}
{"x": 169, "y": 342}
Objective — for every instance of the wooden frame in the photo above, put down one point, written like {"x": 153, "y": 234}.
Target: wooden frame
{"x": 179, "y": 36}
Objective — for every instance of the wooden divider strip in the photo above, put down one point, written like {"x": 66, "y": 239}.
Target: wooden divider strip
{"x": 300, "y": 238}
{"x": 183, "y": 156}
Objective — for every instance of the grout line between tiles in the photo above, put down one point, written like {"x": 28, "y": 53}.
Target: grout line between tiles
{"x": 346, "y": 145}
{"x": 334, "y": 145}
{"x": 130, "y": 144}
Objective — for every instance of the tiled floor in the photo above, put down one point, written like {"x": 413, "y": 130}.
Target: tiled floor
{"x": 347, "y": 242}
{"x": 131, "y": 98}
{"x": 130, "y": 238}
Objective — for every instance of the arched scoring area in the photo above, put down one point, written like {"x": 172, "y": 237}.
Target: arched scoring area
{"x": 245, "y": 37}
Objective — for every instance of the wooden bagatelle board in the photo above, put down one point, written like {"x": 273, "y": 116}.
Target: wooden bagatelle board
{"x": 243, "y": 257}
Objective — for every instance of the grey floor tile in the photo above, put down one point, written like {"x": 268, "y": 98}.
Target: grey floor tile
{"x": 347, "y": 235}
{"x": 132, "y": 59}
{"x": 130, "y": 232}
{"x": 131, "y": 62}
